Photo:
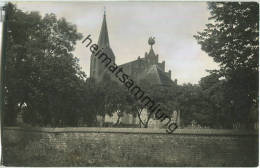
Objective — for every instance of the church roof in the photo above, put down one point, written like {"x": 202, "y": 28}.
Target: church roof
{"x": 103, "y": 40}
{"x": 156, "y": 76}
{"x": 131, "y": 62}
{"x": 151, "y": 53}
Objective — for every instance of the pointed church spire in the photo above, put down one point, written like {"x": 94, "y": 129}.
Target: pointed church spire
{"x": 103, "y": 40}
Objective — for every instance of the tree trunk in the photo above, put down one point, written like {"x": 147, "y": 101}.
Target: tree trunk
{"x": 10, "y": 114}
{"x": 118, "y": 120}
{"x": 102, "y": 121}
{"x": 140, "y": 120}
{"x": 179, "y": 118}
{"x": 148, "y": 119}
{"x": 146, "y": 124}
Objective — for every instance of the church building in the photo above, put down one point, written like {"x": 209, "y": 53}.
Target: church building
{"x": 146, "y": 68}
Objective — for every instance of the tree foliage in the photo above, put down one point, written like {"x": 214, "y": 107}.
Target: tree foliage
{"x": 43, "y": 78}
{"x": 231, "y": 38}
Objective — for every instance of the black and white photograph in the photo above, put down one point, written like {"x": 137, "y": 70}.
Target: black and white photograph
{"x": 129, "y": 83}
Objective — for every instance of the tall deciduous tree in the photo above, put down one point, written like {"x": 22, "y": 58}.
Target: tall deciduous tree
{"x": 231, "y": 38}
{"x": 42, "y": 75}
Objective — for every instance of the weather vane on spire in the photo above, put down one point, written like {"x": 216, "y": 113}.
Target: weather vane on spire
{"x": 151, "y": 41}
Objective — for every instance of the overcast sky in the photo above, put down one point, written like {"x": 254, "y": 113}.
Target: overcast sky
{"x": 130, "y": 24}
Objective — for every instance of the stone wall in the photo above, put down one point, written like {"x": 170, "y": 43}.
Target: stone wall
{"x": 128, "y": 147}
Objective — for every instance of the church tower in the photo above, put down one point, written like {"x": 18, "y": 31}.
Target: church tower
{"x": 151, "y": 58}
{"x": 97, "y": 69}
